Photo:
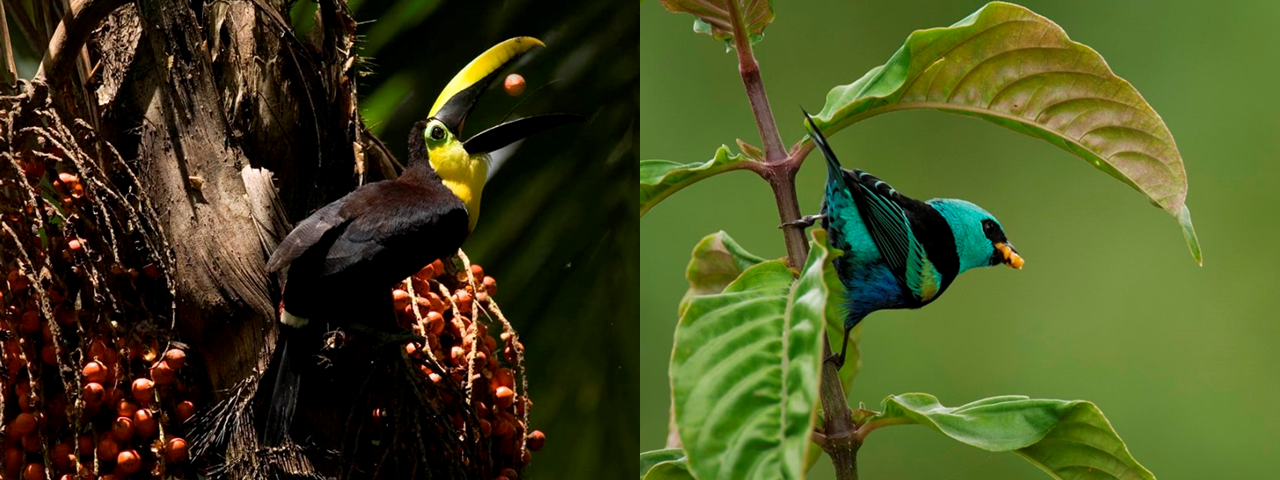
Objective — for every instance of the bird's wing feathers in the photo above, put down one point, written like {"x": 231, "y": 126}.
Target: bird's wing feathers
{"x": 368, "y": 222}
{"x": 394, "y": 216}
{"x": 881, "y": 209}
{"x": 307, "y": 234}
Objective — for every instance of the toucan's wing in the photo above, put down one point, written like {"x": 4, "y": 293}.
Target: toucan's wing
{"x": 881, "y": 209}
{"x": 391, "y": 218}
{"x": 308, "y": 233}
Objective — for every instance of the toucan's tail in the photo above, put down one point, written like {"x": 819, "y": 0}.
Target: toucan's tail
{"x": 287, "y": 361}
{"x": 833, "y": 165}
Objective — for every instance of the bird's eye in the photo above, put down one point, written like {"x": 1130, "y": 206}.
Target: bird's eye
{"x": 437, "y": 133}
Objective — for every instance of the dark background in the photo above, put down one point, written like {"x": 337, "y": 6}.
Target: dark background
{"x": 558, "y": 228}
{"x": 1110, "y": 306}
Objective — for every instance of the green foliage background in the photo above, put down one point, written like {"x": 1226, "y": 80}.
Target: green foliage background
{"x": 1110, "y": 308}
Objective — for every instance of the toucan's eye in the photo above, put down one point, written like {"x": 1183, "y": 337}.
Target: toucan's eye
{"x": 437, "y": 133}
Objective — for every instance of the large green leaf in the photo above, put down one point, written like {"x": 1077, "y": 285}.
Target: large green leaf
{"x": 717, "y": 261}
{"x": 1068, "y": 439}
{"x": 1011, "y": 67}
{"x": 661, "y": 178}
{"x": 714, "y": 16}
{"x": 744, "y": 370}
{"x": 666, "y": 464}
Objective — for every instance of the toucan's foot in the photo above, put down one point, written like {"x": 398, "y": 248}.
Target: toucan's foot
{"x": 382, "y": 338}
{"x": 836, "y": 359}
{"x": 803, "y": 222}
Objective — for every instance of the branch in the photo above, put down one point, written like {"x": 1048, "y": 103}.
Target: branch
{"x": 750, "y": 71}
{"x": 72, "y": 33}
{"x": 8, "y": 70}
{"x": 842, "y": 438}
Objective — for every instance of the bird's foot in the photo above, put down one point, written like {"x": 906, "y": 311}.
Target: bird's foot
{"x": 382, "y": 338}
{"x": 803, "y": 222}
{"x": 835, "y": 359}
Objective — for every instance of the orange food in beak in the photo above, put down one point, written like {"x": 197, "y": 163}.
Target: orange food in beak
{"x": 1011, "y": 258}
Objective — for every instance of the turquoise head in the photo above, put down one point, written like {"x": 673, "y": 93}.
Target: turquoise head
{"x": 980, "y": 240}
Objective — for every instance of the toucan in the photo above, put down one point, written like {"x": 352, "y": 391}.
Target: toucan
{"x": 343, "y": 260}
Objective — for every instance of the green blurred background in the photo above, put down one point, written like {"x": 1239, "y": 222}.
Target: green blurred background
{"x": 1110, "y": 308}
{"x": 559, "y": 230}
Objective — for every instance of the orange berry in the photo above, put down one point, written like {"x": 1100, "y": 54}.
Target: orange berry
{"x": 463, "y": 299}
{"x": 85, "y": 443}
{"x": 503, "y": 378}
{"x": 108, "y": 448}
{"x": 125, "y": 408}
{"x": 12, "y": 460}
{"x": 505, "y": 396}
{"x": 62, "y": 456}
{"x": 32, "y": 442}
{"x": 74, "y": 244}
{"x": 17, "y": 281}
{"x": 94, "y": 394}
{"x": 144, "y": 423}
{"x": 401, "y": 298}
{"x": 514, "y": 85}
{"x": 175, "y": 450}
{"x": 535, "y": 440}
{"x": 176, "y": 358}
{"x": 25, "y": 423}
{"x": 33, "y": 471}
{"x": 510, "y": 473}
{"x": 142, "y": 388}
{"x": 490, "y": 285}
{"x": 95, "y": 372}
{"x": 477, "y": 271}
{"x": 122, "y": 429}
{"x": 185, "y": 410}
{"x": 129, "y": 461}
{"x": 30, "y": 322}
{"x": 161, "y": 374}
{"x": 48, "y": 355}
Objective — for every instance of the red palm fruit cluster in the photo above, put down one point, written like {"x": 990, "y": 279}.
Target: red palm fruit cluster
{"x": 477, "y": 351}
{"x": 125, "y": 418}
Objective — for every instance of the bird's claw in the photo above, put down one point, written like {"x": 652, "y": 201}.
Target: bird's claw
{"x": 835, "y": 359}
{"x": 803, "y": 222}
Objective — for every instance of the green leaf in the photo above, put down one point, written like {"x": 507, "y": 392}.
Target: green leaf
{"x": 661, "y": 178}
{"x": 717, "y": 261}
{"x": 1068, "y": 439}
{"x": 666, "y": 464}
{"x": 1009, "y": 66}
{"x": 744, "y": 370}
{"x": 714, "y": 16}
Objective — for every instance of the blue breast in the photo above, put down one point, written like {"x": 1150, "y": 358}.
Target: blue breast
{"x": 866, "y": 277}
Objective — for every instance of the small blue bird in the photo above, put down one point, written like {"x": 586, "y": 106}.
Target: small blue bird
{"x": 899, "y": 252}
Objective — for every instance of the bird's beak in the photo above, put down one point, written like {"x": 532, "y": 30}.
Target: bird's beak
{"x": 1011, "y": 257}
{"x": 461, "y": 94}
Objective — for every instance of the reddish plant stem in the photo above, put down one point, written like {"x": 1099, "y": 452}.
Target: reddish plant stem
{"x": 750, "y": 71}
{"x": 841, "y": 442}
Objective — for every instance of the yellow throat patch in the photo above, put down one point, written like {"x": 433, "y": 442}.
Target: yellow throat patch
{"x": 464, "y": 174}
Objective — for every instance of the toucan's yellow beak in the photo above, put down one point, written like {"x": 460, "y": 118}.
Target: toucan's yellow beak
{"x": 1011, "y": 257}
{"x": 457, "y": 98}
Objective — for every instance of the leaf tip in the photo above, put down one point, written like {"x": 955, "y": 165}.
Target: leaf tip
{"x": 1189, "y": 233}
